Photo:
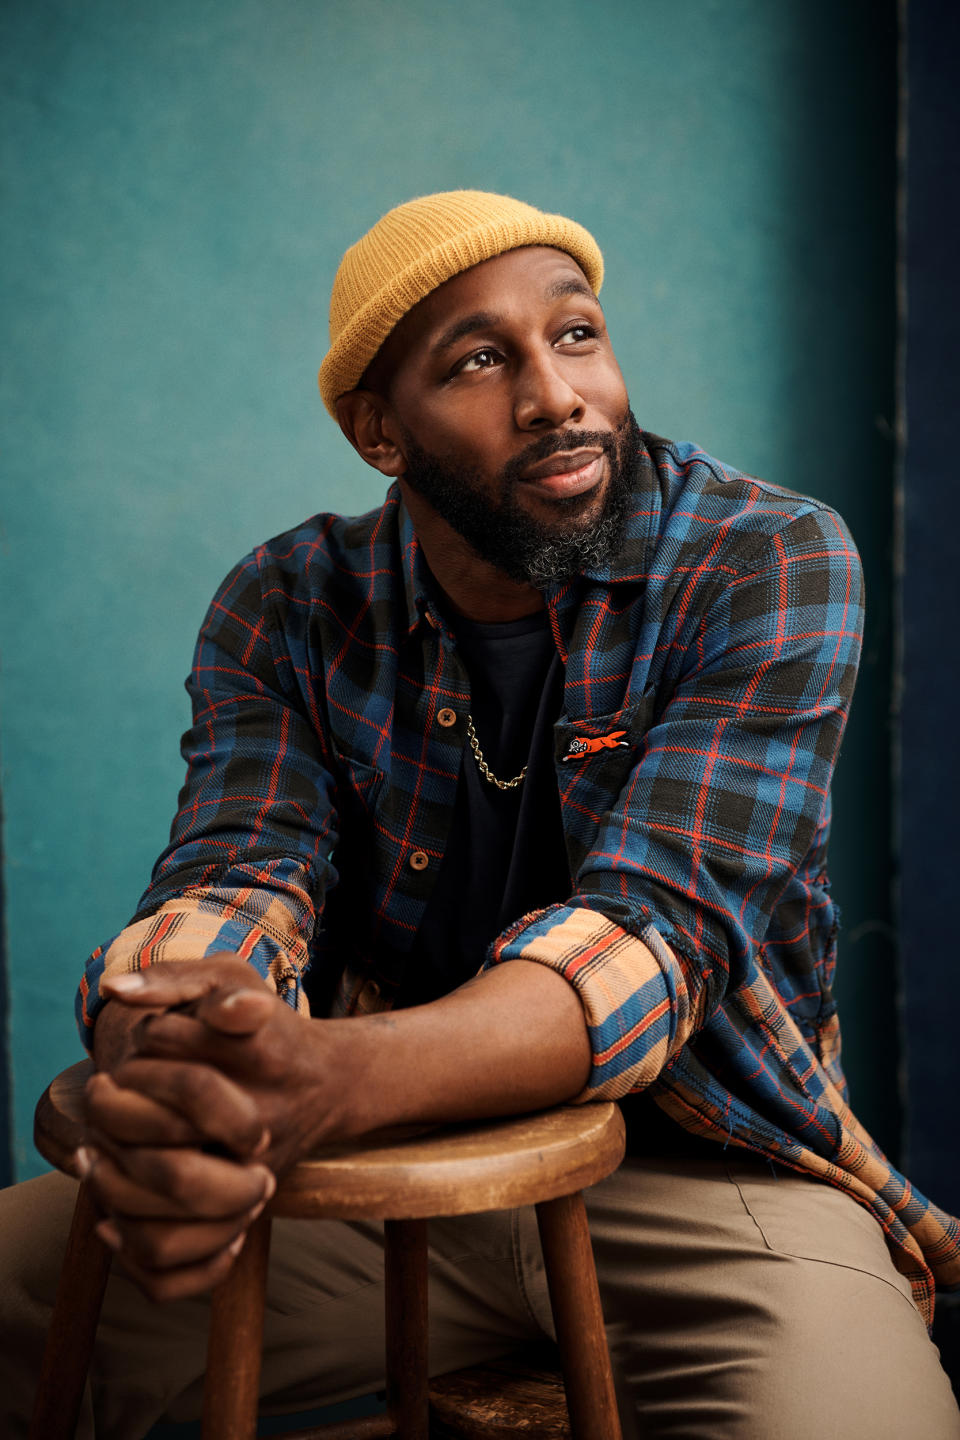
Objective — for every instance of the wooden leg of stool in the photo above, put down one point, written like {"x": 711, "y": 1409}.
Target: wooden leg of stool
{"x": 405, "y": 1273}
{"x": 73, "y": 1326}
{"x": 232, "y": 1384}
{"x": 575, "y": 1300}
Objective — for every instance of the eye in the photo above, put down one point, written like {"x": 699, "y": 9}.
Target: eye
{"x": 576, "y": 334}
{"x": 479, "y": 360}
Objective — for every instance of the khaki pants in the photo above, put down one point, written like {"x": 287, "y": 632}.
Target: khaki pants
{"x": 741, "y": 1301}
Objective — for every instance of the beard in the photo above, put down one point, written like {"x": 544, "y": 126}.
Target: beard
{"x": 503, "y": 532}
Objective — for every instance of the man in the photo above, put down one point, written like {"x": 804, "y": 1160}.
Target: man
{"x": 531, "y": 767}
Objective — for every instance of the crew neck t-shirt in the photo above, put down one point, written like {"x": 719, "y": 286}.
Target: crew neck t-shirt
{"x": 506, "y": 853}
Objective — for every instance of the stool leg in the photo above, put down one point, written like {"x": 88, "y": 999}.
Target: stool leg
{"x": 232, "y": 1385}
{"x": 405, "y": 1275}
{"x": 73, "y": 1326}
{"x": 575, "y": 1301}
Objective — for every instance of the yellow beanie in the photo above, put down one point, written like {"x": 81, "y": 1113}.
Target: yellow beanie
{"x": 415, "y": 248}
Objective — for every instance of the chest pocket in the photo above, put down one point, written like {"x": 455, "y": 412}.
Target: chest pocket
{"x": 593, "y": 761}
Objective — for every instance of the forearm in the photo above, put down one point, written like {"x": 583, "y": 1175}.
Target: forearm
{"x": 513, "y": 1039}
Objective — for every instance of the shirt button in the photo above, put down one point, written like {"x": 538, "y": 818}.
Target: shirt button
{"x": 446, "y": 717}
{"x": 419, "y": 860}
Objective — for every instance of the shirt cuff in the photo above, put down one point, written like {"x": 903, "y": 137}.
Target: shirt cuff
{"x": 641, "y": 1000}
{"x": 256, "y": 927}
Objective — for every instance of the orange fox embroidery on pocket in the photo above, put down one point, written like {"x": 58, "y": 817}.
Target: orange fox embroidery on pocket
{"x": 582, "y": 745}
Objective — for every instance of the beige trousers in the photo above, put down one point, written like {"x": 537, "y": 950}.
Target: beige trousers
{"x": 741, "y": 1301}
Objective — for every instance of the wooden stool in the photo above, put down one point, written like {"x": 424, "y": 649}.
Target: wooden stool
{"x": 543, "y": 1159}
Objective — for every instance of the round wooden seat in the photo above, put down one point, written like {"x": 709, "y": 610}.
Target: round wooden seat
{"x": 409, "y": 1173}
{"x": 402, "y": 1178}
{"x": 460, "y": 1170}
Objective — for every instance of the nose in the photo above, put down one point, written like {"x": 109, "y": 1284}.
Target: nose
{"x": 545, "y": 399}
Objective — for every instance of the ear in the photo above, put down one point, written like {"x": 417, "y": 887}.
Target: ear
{"x": 365, "y": 420}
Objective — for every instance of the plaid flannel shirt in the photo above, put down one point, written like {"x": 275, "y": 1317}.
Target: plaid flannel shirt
{"x": 330, "y": 708}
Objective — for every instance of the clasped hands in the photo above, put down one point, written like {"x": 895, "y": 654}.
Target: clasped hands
{"x": 209, "y": 1087}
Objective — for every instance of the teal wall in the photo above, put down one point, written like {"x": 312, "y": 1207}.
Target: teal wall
{"x": 181, "y": 179}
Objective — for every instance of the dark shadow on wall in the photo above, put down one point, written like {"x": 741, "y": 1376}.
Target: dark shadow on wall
{"x": 838, "y": 316}
{"x": 929, "y": 790}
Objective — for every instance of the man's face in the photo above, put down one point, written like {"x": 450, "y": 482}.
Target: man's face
{"x": 512, "y": 415}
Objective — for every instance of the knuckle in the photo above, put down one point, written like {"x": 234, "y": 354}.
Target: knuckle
{"x": 172, "y": 1175}
{"x": 188, "y": 1085}
{"x": 201, "y": 1092}
{"x": 208, "y": 1085}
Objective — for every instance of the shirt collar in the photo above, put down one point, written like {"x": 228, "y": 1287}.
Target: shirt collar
{"x": 417, "y": 583}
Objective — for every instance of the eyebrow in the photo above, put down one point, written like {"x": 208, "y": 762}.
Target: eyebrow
{"x": 570, "y": 286}
{"x": 487, "y": 320}
{"x": 480, "y": 320}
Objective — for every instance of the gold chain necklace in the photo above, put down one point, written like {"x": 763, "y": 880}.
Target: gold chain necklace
{"x": 484, "y": 768}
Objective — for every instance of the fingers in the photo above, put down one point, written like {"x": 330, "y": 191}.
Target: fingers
{"x": 180, "y": 982}
{"x": 184, "y": 1281}
{"x": 211, "y": 1028}
{"x": 134, "y": 1119}
{"x": 176, "y": 1103}
{"x": 170, "y": 1245}
{"x": 150, "y": 1183}
{"x": 238, "y": 1012}
{"x": 170, "y": 1255}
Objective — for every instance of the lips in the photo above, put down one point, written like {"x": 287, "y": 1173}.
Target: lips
{"x": 571, "y": 472}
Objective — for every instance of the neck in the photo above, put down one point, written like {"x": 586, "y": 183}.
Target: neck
{"x": 475, "y": 588}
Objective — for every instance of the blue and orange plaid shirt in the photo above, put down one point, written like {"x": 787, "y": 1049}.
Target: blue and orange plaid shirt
{"x": 715, "y": 656}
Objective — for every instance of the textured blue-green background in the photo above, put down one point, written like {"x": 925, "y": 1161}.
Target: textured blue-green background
{"x": 180, "y": 180}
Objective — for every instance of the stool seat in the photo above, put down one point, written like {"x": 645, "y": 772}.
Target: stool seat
{"x": 409, "y": 1172}
{"x": 402, "y": 1178}
{"x": 459, "y": 1170}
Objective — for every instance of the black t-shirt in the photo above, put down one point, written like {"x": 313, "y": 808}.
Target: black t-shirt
{"x": 506, "y": 853}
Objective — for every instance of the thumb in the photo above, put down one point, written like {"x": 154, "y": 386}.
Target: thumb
{"x": 236, "y": 1012}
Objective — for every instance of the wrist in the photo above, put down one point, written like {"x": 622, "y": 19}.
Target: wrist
{"x": 365, "y": 1082}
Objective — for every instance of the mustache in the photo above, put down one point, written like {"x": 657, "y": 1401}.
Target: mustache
{"x": 556, "y": 444}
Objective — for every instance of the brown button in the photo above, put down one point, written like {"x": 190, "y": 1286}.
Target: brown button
{"x": 446, "y": 717}
{"x": 419, "y": 860}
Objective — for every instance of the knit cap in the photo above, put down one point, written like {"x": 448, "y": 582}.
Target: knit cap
{"x": 415, "y": 248}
